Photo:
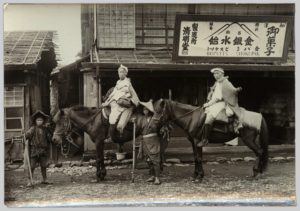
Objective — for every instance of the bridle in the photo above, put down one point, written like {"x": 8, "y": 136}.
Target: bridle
{"x": 68, "y": 131}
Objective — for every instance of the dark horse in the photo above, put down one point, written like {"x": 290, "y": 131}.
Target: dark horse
{"x": 93, "y": 122}
{"x": 191, "y": 119}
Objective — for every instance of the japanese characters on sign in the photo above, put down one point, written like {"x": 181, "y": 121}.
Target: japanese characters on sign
{"x": 231, "y": 39}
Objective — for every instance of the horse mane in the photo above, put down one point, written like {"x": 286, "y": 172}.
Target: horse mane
{"x": 182, "y": 105}
{"x": 84, "y": 110}
{"x": 185, "y": 105}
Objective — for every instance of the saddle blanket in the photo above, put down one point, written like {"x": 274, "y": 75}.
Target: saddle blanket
{"x": 251, "y": 119}
{"x": 248, "y": 118}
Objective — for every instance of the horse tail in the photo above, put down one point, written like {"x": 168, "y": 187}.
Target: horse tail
{"x": 264, "y": 143}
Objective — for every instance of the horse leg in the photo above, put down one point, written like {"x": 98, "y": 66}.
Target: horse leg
{"x": 250, "y": 137}
{"x": 163, "y": 146}
{"x": 120, "y": 147}
{"x": 101, "y": 171}
{"x": 197, "y": 151}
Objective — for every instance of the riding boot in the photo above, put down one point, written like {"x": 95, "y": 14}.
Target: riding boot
{"x": 206, "y": 132}
{"x": 111, "y": 131}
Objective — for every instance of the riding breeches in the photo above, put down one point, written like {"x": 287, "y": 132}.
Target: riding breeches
{"x": 116, "y": 111}
{"x": 215, "y": 109}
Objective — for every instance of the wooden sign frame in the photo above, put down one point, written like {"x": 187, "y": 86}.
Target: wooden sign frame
{"x": 223, "y": 18}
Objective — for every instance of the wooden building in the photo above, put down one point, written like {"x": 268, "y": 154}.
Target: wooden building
{"x": 140, "y": 36}
{"x": 29, "y": 58}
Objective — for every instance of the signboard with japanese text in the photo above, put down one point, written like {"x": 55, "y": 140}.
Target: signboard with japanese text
{"x": 251, "y": 39}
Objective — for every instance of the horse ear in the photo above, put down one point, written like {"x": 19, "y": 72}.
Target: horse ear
{"x": 162, "y": 103}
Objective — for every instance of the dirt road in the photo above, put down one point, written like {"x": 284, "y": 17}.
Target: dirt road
{"x": 224, "y": 184}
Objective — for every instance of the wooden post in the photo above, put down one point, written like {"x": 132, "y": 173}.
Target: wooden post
{"x": 98, "y": 86}
{"x": 170, "y": 94}
{"x": 133, "y": 152}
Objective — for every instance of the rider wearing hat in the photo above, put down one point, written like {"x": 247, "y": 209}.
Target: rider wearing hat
{"x": 122, "y": 97}
{"x": 150, "y": 141}
{"x": 39, "y": 138}
{"x": 223, "y": 95}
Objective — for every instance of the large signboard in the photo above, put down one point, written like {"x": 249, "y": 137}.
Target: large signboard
{"x": 255, "y": 39}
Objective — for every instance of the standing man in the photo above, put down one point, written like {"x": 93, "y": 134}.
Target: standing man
{"x": 151, "y": 142}
{"x": 39, "y": 138}
{"x": 223, "y": 95}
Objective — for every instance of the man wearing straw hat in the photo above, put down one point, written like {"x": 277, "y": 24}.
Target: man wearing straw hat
{"x": 122, "y": 98}
{"x": 39, "y": 138}
{"x": 223, "y": 95}
{"x": 150, "y": 141}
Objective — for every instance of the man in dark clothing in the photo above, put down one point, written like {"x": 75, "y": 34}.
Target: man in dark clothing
{"x": 151, "y": 142}
{"x": 39, "y": 138}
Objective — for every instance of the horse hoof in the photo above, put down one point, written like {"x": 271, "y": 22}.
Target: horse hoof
{"x": 197, "y": 180}
{"x": 258, "y": 176}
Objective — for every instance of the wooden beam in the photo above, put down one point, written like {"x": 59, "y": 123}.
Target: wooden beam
{"x": 8, "y": 67}
{"x": 189, "y": 67}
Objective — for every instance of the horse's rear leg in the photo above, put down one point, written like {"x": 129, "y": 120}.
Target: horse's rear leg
{"x": 250, "y": 138}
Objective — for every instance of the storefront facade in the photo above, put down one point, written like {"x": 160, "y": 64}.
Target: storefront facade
{"x": 141, "y": 37}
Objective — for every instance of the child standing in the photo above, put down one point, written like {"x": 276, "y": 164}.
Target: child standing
{"x": 39, "y": 138}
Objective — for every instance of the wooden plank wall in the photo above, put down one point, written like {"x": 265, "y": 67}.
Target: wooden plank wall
{"x": 87, "y": 28}
{"x": 90, "y": 100}
{"x": 151, "y": 20}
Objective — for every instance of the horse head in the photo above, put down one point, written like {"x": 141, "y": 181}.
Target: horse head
{"x": 162, "y": 111}
{"x": 62, "y": 125}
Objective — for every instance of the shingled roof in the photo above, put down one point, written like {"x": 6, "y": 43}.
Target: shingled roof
{"x": 26, "y": 47}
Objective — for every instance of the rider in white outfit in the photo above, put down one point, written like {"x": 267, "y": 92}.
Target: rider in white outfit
{"x": 123, "y": 92}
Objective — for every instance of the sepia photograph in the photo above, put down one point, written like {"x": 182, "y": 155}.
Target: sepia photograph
{"x": 149, "y": 104}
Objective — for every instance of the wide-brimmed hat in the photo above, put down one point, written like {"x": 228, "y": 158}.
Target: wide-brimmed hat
{"x": 39, "y": 114}
{"x": 148, "y": 105}
{"x": 219, "y": 69}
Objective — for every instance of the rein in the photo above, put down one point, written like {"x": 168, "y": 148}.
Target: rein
{"x": 185, "y": 114}
{"x": 89, "y": 120}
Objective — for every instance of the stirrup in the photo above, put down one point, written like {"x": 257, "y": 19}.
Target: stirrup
{"x": 202, "y": 143}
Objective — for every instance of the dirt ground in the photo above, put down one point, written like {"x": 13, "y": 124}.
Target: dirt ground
{"x": 224, "y": 184}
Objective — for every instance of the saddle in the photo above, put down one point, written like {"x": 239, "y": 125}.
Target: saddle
{"x": 126, "y": 116}
{"x": 223, "y": 123}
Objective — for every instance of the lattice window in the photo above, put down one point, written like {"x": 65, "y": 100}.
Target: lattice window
{"x": 14, "y": 96}
{"x": 14, "y": 107}
{"x": 116, "y": 25}
{"x": 155, "y": 23}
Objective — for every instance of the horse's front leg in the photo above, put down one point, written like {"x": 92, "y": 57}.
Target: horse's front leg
{"x": 101, "y": 171}
{"x": 197, "y": 151}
